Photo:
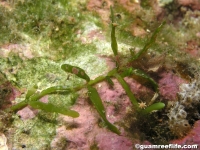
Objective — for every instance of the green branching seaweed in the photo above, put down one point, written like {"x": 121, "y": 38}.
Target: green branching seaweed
{"x": 109, "y": 81}
{"x": 51, "y": 108}
{"x": 128, "y": 90}
{"x": 153, "y": 107}
{"x": 51, "y": 90}
{"x": 140, "y": 73}
{"x": 31, "y": 91}
{"x": 114, "y": 45}
{"x": 96, "y": 100}
{"x": 137, "y": 72}
{"x": 33, "y": 95}
{"x": 149, "y": 43}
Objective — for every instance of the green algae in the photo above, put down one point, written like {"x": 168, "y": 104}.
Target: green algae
{"x": 76, "y": 71}
{"x": 149, "y": 43}
{"x": 48, "y": 107}
{"x": 153, "y": 107}
{"x": 53, "y": 25}
{"x": 54, "y": 36}
{"x": 97, "y": 102}
{"x": 49, "y": 27}
{"x": 32, "y": 99}
{"x": 33, "y": 133}
{"x": 114, "y": 45}
{"x": 7, "y": 34}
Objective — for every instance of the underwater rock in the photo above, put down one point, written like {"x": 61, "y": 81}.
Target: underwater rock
{"x": 3, "y": 141}
{"x": 27, "y": 113}
{"x": 91, "y": 35}
{"x": 74, "y": 131}
{"x": 87, "y": 130}
{"x": 169, "y": 85}
{"x": 193, "y": 137}
{"x": 193, "y": 49}
{"x": 111, "y": 141}
{"x": 8, "y": 93}
{"x": 178, "y": 124}
{"x": 24, "y": 51}
{"x": 186, "y": 109}
{"x": 194, "y": 4}
{"x": 101, "y": 7}
{"x": 77, "y": 131}
{"x": 131, "y": 6}
{"x": 115, "y": 100}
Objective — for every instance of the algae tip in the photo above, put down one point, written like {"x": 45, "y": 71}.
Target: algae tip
{"x": 114, "y": 45}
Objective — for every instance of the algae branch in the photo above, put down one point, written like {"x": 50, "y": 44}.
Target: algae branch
{"x": 58, "y": 54}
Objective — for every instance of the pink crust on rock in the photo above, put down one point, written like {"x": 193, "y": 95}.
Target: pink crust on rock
{"x": 84, "y": 131}
{"x": 193, "y": 137}
{"x": 101, "y": 7}
{"x": 28, "y": 112}
{"x": 115, "y": 99}
{"x": 169, "y": 85}
{"x": 111, "y": 141}
{"x": 76, "y": 131}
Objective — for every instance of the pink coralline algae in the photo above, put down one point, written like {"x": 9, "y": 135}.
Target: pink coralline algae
{"x": 192, "y": 138}
{"x": 169, "y": 85}
{"x": 115, "y": 99}
{"x": 76, "y": 131}
{"x": 26, "y": 113}
{"x": 86, "y": 130}
{"x": 111, "y": 141}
